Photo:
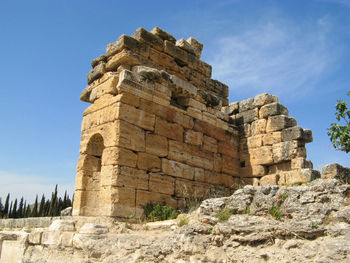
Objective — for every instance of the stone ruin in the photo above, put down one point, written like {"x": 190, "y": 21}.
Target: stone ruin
{"x": 159, "y": 129}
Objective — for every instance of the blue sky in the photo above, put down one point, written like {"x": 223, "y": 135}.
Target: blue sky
{"x": 297, "y": 50}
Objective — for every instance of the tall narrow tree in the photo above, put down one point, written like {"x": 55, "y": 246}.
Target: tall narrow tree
{"x": 6, "y": 207}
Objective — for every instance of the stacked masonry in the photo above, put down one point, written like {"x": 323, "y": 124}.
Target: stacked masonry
{"x": 272, "y": 146}
{"x": 159, "y": 130}
{"x": 155, "y": 131}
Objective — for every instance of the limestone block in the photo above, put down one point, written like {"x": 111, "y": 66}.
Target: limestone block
{"x": 247, "y": 116}
{"x": 93, "y": 229}
{"x": 126, "y": 42}
{"x": 177, "y": 151}
{"x": 96, "y": 72}
{"x": 198, "y": 157}
{"x": 51, "y": 238}
{"x": 198, "y": 46}
{"x": 163, "y": 35}
{"x": 246, "y": 105}
{"x": 124, "y": 176}
{"x": 194, "y": 113}
{"x": 122, "y": 198}
{"x": 137, "y": 117}
{"x": 191, "y": 189}
{"x": 120, "y": 156}
{"x": 126, "y": 57}
{"x": 279, "y": 122}
{"x": 156, "y": 145}
{"x": 258, "y": 127}
{"x": 255, "y": 141}
{"x": 273, "y": 109}
{"x": 210, "y": 144}
{"x": 300, "y": 163}
{"x": 272, "y": 138}
{"x": 262, "y": 155}
{"x": 253, "y": 171}
{"x": 183, "y": 87}
{"x": 245, "y": 130}
{"x": 286, "y": 151}
{"x": 161, "y": 58}
{"x": 222, "y": 116}
{"x": 280, "y": 167}
{"x": 148, "y": 162}
{"x": 128, "y": 98}
{"x": 177, "y": 169}
{"x": 107, "y": 87}
{"x": 67, "y": 239}
{"x": 298, "y": 176}
{"x": 176, "y": 52}
{"x": 262, "y": 99}
{"x": 271, "y": 179}
{"x": 184, "y": 120}
{"x": 231, "y": 109}
{"x": 297, "y": 133}
{"x": 337, "y": 171}
{"x": 228, "y": 149}
{"x": 62, "y": 225}
{"x": 34, "y": 237}
{"x": 100, "y": 59}
{"x": 210, "y": 130}
{"x": 182, "y": 43}
{"x": 193, "y": 137}
{"x": 161, "y": 183}
{"x": 145, "y": 197}
{"x": 210, "y": 118}
{"x": 170, "y": 130}
{"x": 217, "y": 163}
{"x": 144, "y": 36}
{"x": 230, "y": 165}
{"x": 130, "y": 136}
{"x": 189, "y": 102}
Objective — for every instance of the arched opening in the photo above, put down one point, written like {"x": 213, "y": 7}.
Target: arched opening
{"x": 91, "y": 176}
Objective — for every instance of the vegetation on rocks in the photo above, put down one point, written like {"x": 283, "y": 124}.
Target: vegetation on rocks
{"x": 159, "y": 212}
{"x": 340, "y": 131}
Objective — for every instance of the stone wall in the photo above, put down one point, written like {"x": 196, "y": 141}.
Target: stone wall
{"x": 160, "y": 130}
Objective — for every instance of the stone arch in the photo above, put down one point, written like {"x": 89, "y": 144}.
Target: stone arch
{"x": 91, "y": 172}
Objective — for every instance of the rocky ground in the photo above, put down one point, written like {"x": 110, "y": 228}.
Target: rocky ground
{"x": 256, "y": 224}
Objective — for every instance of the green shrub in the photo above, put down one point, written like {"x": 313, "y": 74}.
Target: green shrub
{"x": 183, "y": 221}
{"x": 225, "y": 214}
{"x": 275, "y": 212}
{"x": 247, "y": 210}
{"x": 159, "y": 212}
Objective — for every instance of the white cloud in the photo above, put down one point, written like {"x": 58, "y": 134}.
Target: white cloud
{"x": 30, "y": 186}
{"x": 276, "y": 57}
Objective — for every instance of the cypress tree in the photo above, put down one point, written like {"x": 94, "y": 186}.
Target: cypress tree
{"x": 6, "y": 208}
{"x": 1, "y": 209}
{"x": 35, "y": 207}
{"x": 28, "y": 211}
{"x": 14, "y": 209}
{"x": 42, "y": 206}
{"x": 10, "y": 211}
{"x": 20, "y": 208}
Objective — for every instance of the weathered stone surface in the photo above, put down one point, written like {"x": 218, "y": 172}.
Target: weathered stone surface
{"x": 258, "y": 127}
{"x": 297, "y": 133}
{"x": 272, "y": 109}
{"x": 120, "y": 156}
{"x": 161, "y": 183}
{"x": 262, "y": 155}
{"x": 336, "y": 171}
{"x": 264, "y": 98}
{"x": 170, "y": 130}
{"x": 126, "y": 42}
{"x": 34, "y": 237}
{"x": 163, "y": 35}
{"x": 153, "y": 40}
{"x": 245, "y": 105}
{"x": 93, "y": 229}
{"x": 194, "y": 138}
{"x": 130, "y": 136}
{"x": 247, "y": 116}
{"x": 156, "y": 145}
{"x": 148, "y": 162}
{"x": 62, "y": 225}
{"x": 96, "y": 72}
{"x": 286, "y": 151}
{"x": 198, "y": 46}
{"x": 177, "y": 169}
{"x": 279, "y": 122}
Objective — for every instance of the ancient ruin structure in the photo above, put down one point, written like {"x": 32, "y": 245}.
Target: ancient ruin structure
{"x": 159, "y": 129}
